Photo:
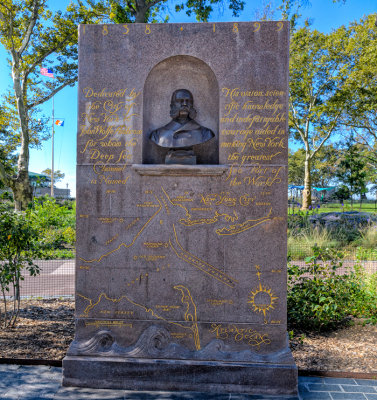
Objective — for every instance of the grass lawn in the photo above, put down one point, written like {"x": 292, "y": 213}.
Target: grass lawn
{"x": 369, "y": 206}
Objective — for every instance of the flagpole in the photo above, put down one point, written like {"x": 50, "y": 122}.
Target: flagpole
{"x": 52, "y": 150}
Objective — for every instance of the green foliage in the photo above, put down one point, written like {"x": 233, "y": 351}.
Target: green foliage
{"x": 58, "y": 175}
{"x": 364, "y": 301}
{"x": 342, "y": 193}
{"x": 323, "y": 166}
{"x": 323, "y": 68}
{"x": 128, "y": 11}
{"x": 55, "y": 224}
{"x": 18, "y": 247}
{"x": 318, "y": 297}
{"x": 361, "y": 108}
{"x": 351, "y": 169}
{"x": 33, "y": 37}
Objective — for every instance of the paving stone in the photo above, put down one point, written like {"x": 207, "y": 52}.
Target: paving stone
{"x": 345, "y": 381}
{"x": 366, "y": 382}
{"x": 30, "y": 391}
{"x": 315, "y": 396}
{"x": 310, "y": 379}
{"x": 322, "y": 387}
{"x": 359, "y": 388}
{"x": 302, "y": 388}
{"x": 371, "y": 396}
{"x": 348, "y": 396}
{"x": 90, "y": 394}
{"x": 8, "y": 367}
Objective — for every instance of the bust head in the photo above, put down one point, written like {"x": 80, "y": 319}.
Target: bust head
{"x": 182, "y": 105}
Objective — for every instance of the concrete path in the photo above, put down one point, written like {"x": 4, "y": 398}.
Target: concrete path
{"x": 43, "y": 382}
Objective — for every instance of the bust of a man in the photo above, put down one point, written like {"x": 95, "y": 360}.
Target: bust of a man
{"x": 182, "y": 132}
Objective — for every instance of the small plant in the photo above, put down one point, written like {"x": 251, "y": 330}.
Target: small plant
{"x": 318, "y": 297}
{"x": 56, "y": 226}
{"x": 17, "y": 248}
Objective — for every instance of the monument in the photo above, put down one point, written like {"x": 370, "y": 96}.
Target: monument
{"x": 181, "y": 219}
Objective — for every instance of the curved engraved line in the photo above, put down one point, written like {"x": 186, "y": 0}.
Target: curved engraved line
{"x": 238, "y": 228}
{"x": 185, "y": 253}
{"x": 176, "y": 205}
{"x": 200, "y": 221}
{"x": 189, "y": 316}
{"x": 262, "y": 289}
{"x": 117, "y": 300}
{"x": 124, "y": 244}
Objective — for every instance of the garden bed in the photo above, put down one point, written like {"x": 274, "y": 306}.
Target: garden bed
{"x": 46, "y": 328}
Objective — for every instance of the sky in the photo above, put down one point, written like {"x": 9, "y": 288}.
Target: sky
{"x": 324, "y": 14}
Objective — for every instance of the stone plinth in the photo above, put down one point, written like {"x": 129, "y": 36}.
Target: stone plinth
{"x": 181, "y": 269}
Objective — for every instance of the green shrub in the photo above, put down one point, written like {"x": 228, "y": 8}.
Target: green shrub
{"x": 364, "y": 301}
{"x": 318, "y": 297}
{"x": 18, "y": 247}
{"x": 55, "y": 223}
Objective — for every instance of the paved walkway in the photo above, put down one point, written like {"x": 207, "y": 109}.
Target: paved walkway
{"x": 43, "y": 382}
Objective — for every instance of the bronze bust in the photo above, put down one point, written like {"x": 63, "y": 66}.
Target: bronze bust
{"x": 182, "y": 132}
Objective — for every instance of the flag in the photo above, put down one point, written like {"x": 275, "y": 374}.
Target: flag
{"x": 59, "y": 122}
{"x": 47, "y": 72}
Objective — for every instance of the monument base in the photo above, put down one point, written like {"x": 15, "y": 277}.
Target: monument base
{"x": 181, "y": 375}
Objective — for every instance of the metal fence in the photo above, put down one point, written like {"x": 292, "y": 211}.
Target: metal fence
{"x": 57, "y": 277}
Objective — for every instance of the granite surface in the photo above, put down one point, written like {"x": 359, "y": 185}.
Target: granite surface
{"x": 182, "y": 264}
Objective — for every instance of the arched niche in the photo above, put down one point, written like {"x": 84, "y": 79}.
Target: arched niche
{"x": 180, "y": 72}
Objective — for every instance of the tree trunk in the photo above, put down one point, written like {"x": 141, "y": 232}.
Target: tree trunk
{"x": 140, "y": 15}
{"x": 307, "y": 192}
{"x": 141, "y": 11}
{"x": 22, "y": 191}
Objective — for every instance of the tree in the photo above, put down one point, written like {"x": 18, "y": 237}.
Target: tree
{"x": 323, "y": 167}
{"x": 128, "y": 11}
{"x": 361, "y": 116}
{"x": 34, "y": 36}
{"x": 8, "y": 145}
{"x": 351, "y": 169}
{"x": 18, "y": 246}
{"x": 58, "y": 175}
{"x": 319, "y": 69}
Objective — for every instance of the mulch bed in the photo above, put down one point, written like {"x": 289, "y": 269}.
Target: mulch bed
{"x": 45, "y": 329}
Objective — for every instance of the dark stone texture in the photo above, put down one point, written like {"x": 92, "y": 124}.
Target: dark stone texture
{"x": 173, "y": 375}
{"x": 181, "y": 269}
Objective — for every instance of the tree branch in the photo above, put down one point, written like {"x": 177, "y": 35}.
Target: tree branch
{"x": 131, "y": 6}
{"x": 40, "y": 59}
{"x": 152, "y": 3}
{"x": 48, "y": 97}
{"x": 294, "y": 120}
{"x": 33, "y": 21}
{"x": 327, "y": 136}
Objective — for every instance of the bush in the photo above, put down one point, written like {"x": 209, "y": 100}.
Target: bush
{"x": 364, "y": 302}
{"x": 318, "y": 297}
{"x": 18, "y": 246}
{"x": 56, "y": 225}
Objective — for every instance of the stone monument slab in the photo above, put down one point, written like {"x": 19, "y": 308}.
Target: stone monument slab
{"x": 181, "y": 209}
